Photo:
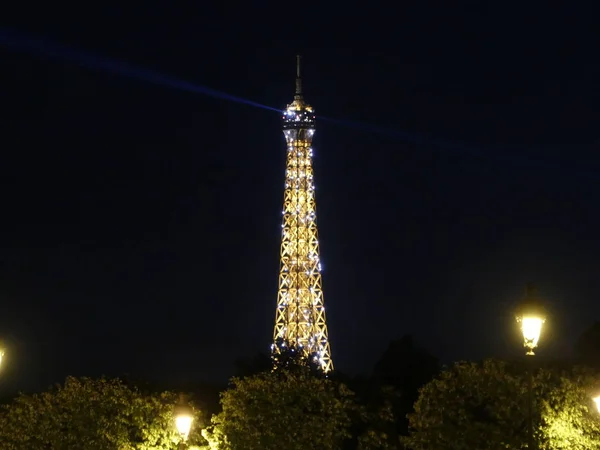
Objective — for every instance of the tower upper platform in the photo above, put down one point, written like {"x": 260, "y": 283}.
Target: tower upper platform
{"x": 298, "y": 115}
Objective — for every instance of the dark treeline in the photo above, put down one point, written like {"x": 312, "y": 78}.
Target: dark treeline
{"x": 392, "y": 385}
{"x": 405, "y": 367}
{"x": 396, "y": 377}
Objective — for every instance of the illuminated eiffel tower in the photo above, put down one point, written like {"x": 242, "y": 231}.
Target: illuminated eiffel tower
{"x": 300, "y": 316}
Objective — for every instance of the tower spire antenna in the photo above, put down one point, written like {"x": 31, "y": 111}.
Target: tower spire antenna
{"x": 298, "y": 79}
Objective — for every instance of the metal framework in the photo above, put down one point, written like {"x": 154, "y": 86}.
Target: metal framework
{"x": 300, "y": 315}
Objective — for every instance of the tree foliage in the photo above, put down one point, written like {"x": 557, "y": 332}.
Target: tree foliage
{"x": 471, "y": 406}
{"x": 257, "y": 363}
{"x": 285, "y": 355}
{"x": 569, "y": 417}
{"x": 375, "y": 426}
{"x": 101, "y": 414}
{"x": 485, "y": 406}
{"x": 405, "y": 368}
{"x": 587, "y": 347}
{"x": 282, "y": 409}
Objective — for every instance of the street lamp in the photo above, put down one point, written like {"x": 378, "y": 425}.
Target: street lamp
{"x": 1, "y": 353}
{"x": 531, "y": 315}
{"x": 597, "y": 401}
{"x": 183, "y": 419}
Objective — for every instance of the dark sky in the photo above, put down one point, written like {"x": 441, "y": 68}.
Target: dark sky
{"x": 140, "y": 224}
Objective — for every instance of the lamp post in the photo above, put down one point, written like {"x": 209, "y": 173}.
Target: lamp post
{"x": 531, "y": 316}
{"x": 183, "y": 420}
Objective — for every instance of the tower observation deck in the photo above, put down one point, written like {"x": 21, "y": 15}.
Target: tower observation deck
{"x": 300, "y": 314}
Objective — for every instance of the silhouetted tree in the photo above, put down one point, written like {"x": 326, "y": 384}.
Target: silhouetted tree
{"x": 259, "y": 363}
{"x": 587, "y": 347}
{"x": 202, "y": 394}
{"x": 405, "y": 368}
{"x": 375, "y": 426}
{"x": 286, "y": 356}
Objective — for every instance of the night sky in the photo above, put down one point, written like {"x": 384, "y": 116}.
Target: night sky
{"x": 140, "y": 223}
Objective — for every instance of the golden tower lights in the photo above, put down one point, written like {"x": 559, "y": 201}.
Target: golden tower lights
{"x": 300, "y": 315}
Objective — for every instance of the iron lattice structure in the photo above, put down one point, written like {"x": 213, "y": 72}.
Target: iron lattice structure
{"x": 300, "y": 316}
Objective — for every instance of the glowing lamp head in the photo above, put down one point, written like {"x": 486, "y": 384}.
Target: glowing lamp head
{"x": 183, "y": 418}
{"x": 531, "y": 328}
{"x": 184, "y": 425}
{"x": 597, "y": 401}
{"x": 531, "y": 316}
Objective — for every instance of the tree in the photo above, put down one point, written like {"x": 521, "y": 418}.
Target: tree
{"x": 569, "y": 417}
{"x": 484, "y": 406}
{"x": 282, "y": 409}
{"x": 97, "y": 414}
{"x": 285, "y": 355}
{"x": 405, "y": 368}
{"x": 258, "y": 363}
{"x": 587, "y": 347}
{"x": 470, "y": 406}
{"x": 375, "y": 426}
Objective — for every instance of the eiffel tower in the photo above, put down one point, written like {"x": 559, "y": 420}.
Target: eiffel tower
{"x": 300, "y": 315}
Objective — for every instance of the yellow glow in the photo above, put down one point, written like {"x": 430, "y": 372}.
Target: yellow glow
{"x": 597, "y": 401}
{"x": 1, "y": 356}
{"x": 531, "y": 327}
{"x": 183, "y": 423}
